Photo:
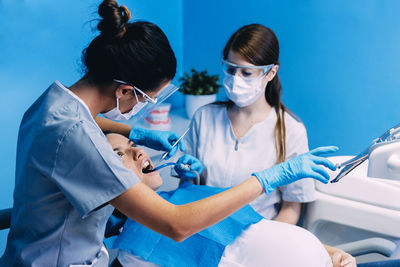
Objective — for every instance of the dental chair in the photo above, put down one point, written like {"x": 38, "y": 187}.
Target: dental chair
{"x": 361, "y": 212}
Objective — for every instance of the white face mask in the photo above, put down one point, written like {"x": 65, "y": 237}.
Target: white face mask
{"x": 115, "y": 113}
{"x": 243, "y": 92}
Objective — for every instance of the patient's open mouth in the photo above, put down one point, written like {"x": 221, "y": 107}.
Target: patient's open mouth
{"x": 146, "y": 166}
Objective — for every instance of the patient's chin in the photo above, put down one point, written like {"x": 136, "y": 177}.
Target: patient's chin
{"x": 152, "y": 179}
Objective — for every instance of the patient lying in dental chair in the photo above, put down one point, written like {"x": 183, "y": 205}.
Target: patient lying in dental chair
{"x": 242, "y": 239}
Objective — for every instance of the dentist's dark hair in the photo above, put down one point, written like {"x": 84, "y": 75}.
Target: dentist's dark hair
{"x": 135, "y": 52}
{"x": 259, "y": 46}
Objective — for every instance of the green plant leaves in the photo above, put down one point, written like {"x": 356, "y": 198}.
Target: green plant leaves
{"x": 199, "y": 83}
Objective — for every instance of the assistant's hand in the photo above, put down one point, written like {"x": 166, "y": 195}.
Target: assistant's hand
{"x": 340, "y": 258}
{"x": 159, "y": 140}
{"x": 307, "y": 165}
{"x": 193, "y": 162}
{"x": 343, "y": 259}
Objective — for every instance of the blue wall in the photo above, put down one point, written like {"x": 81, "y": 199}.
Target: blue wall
{"x": 339, "y": 59}
{"x": 340, "y": 67}
{"x": 41, "y": 41}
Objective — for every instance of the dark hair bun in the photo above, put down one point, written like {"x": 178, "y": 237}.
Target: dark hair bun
{"x": 137, "y": 52}
{"x": 114, "y": 19}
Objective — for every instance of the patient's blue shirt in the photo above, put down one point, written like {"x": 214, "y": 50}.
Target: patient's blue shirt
{"x": 202, "y": 249}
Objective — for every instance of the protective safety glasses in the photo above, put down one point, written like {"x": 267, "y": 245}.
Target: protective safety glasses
{"x": 249, "y": 72}
{"x": 149, "y": 99}
{"x": 165, "y": 93}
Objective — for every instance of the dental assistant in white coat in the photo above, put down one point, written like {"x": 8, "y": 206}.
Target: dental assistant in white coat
{"x": 68, "y": 178}
{"x": 253, "y": 130}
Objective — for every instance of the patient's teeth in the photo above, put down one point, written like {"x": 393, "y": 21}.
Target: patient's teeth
{"x": 146, "y": 164}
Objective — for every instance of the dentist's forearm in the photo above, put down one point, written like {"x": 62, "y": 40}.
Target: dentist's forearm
{"x": 201, "y": 214}
{"x": 289, "y": 213}
{"x": 178, "y": 222}
{"x": 111, "y": 126}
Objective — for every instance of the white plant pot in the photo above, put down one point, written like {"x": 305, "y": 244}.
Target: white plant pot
{"x": 194, "y": 102}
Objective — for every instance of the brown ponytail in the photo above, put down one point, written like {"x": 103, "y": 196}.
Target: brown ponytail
{"x": 273, "y": 97}
{"x": 280, "y": 134}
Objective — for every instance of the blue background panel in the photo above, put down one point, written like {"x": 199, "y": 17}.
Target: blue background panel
{"x": 339, "y": 59}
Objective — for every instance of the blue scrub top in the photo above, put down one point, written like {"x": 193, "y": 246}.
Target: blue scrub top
{"x": 66, "y": 173}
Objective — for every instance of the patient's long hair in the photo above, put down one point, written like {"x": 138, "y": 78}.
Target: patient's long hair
{"x": 259, "y": 46}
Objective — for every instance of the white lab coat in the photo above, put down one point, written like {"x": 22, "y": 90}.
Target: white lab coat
{"x": 229, "y": 161}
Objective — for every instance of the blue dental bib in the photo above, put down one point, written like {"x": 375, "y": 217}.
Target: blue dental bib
{"x": 202, "y": 249}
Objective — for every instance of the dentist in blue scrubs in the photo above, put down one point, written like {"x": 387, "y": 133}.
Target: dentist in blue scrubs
{"x": 68, "y": 178}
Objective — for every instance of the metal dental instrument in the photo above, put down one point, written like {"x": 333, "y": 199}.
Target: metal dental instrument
{"x": 177, "y": 141}
{"x": 183, "y": 166}
{"x": 349, "y": 165}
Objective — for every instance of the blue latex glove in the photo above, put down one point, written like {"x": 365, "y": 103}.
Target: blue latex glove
{"x": 158, "y": 140}
{"x": 307, "y": 165}
{"x": 194, "y": 163}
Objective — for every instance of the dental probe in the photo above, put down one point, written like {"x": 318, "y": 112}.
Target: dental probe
{"x": 177, "y": 141}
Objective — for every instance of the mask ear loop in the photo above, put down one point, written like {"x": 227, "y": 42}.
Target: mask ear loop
{"x": 137, "y": 99}
{"x": 118, "y": 104}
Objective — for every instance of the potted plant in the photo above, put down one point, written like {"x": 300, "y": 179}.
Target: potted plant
{"x": 199, "y": 88}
